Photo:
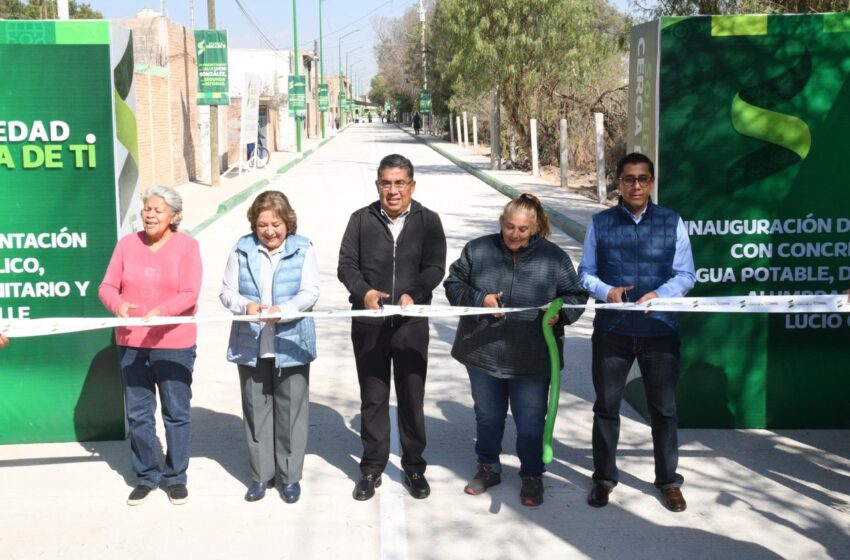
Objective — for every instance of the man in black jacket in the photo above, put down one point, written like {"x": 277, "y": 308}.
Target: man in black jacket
{"x": 393, "y": 250}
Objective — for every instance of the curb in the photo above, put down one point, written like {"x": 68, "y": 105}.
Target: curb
{"x": 559, "y": 220}
{"x": 245, "y": 193}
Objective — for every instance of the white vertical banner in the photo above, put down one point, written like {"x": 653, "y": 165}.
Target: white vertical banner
{"x": 250, "y": 109}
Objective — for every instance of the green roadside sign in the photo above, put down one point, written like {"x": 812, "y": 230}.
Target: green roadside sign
{"x": 425, "y": 102}
{"x": 69, "y": 166}
{"x": 324, "y": 101}
{"x": 211, "y": 49}
{"x": 751, "y": 143}
{"x": 398, "y": 103}
{"x": 297, "y": 86}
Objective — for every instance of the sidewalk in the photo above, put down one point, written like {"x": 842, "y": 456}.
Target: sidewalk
{"x": 203, "y": 204}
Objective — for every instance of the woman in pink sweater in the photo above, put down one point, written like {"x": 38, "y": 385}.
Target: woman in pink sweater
{"x": 156, "y": 272}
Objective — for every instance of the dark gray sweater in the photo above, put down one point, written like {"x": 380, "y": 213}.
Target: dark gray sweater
{"x": 511, "y": 346}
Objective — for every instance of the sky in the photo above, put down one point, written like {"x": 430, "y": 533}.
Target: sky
{"x": 274, "y": 20}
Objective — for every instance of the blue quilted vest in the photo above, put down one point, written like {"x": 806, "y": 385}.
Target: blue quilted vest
{"x": 294, "y": 341}
{"x": 639, "y": 255}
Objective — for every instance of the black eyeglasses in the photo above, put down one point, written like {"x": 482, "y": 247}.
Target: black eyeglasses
{"x": 630, "y": 180}
{"x": 399, "y": 185}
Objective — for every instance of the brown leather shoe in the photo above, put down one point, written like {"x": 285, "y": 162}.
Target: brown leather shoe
{"x": 673, "y": 499}
{"x": 598, "y": 496}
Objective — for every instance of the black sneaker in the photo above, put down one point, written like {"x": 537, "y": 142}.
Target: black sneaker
{"x": 139, "y": 495}
{"x": 531, "y": 494}
{"x": 484, "y": 478}
{"x": 177, "y": 494}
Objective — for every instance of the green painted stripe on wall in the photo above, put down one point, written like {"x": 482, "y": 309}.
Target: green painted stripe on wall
{"x": 731, "y": 26}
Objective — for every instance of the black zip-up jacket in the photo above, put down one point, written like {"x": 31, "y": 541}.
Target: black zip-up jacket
{"x": 370, "y": 259}
{"x": 511, "y": 346}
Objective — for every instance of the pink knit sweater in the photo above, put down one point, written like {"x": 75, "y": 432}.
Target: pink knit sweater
{"x": 168, "y": 279}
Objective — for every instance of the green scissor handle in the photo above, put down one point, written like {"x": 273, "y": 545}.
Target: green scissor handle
{"x": 555, "y": 385}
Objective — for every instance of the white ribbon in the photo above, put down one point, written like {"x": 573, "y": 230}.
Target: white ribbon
{"x": 19, "y": 328}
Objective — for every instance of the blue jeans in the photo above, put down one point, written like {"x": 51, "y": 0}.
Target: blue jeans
{"x": 143, "y": 370}
{"x": 528, "y": 399}
{"x": 658, "y": 358}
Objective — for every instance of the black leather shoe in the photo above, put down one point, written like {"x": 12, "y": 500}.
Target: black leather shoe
{"x": 365, "y": 487}
{"x": 598, "y": 496}
{"x": 417, "y": 485}
{"x": 291, "y": 492}
{"x": 257, "y": 490}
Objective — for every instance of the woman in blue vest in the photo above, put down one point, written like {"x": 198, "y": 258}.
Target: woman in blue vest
{"x": 272, "y": 270}
{"x": 505, "y": 355}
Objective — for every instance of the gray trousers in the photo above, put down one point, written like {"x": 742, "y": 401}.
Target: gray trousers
{"x": 275, "y": 407}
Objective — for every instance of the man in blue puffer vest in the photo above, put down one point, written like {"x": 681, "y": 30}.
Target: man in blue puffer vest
{"x": 636, "y": 251}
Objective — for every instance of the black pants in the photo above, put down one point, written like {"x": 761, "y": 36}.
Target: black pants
{"x": 658, "y": 358}
{"x": 404, "y": 345}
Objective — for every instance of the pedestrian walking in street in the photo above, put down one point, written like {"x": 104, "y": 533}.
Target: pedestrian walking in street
{"x": 636, "y": 251}
{"x": 273, "y": 270}
{"x": 505, "y": 355}
{"x": 417, "y": 123}
{"x": 156, "y": 272}
{"x": 393, "y": 251}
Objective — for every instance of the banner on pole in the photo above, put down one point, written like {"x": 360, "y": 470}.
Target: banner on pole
{"x": 324, "y": 101}
{"x": 69, "y": 165}
{"x": 425, "y": 102}
{"x": 211, "y": 49}
{"x": 297, "y": 86}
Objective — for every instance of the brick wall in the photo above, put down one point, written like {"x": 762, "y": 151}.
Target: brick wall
{"x": 166, "y": 112}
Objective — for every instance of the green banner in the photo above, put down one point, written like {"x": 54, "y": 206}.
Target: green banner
{"x": 425, "y": 102}
{"x": 752, "y": 145}
{"x": 211, "y": 48}
{"x": 297, "y": 86}
{"x": 324, "y": 101}
{"x": 68, "y": 182}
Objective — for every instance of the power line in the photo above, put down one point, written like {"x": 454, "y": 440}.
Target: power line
{"x": 361, "y": 18}
{"x": 253, "y": 23}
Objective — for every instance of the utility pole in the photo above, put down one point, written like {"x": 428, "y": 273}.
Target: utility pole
{"x": 215, "y": 170}
{"x": 321, "y": 67}
{"x": 341, "y": 87}
{"x": 62, "y": 11}
{"x": 297, "y": 71}
{"x": 424, "y": 58}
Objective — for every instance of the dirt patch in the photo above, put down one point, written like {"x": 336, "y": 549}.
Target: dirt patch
{"x": 577, "y": 182}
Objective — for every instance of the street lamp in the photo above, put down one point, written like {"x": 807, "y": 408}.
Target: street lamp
{"x": 297, "y": 65}
{"x": 339, "y": 62}
{"x": 321, "y": 64}
{"x": 348, "y": 71}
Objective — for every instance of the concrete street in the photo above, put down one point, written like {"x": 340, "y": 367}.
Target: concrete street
{"x": 751, "y": 493}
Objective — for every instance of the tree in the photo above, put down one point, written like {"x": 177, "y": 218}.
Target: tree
{"x": 547, "y": 57}
{"x": 378, "y": 93}
{"x": 45, "y": 9}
